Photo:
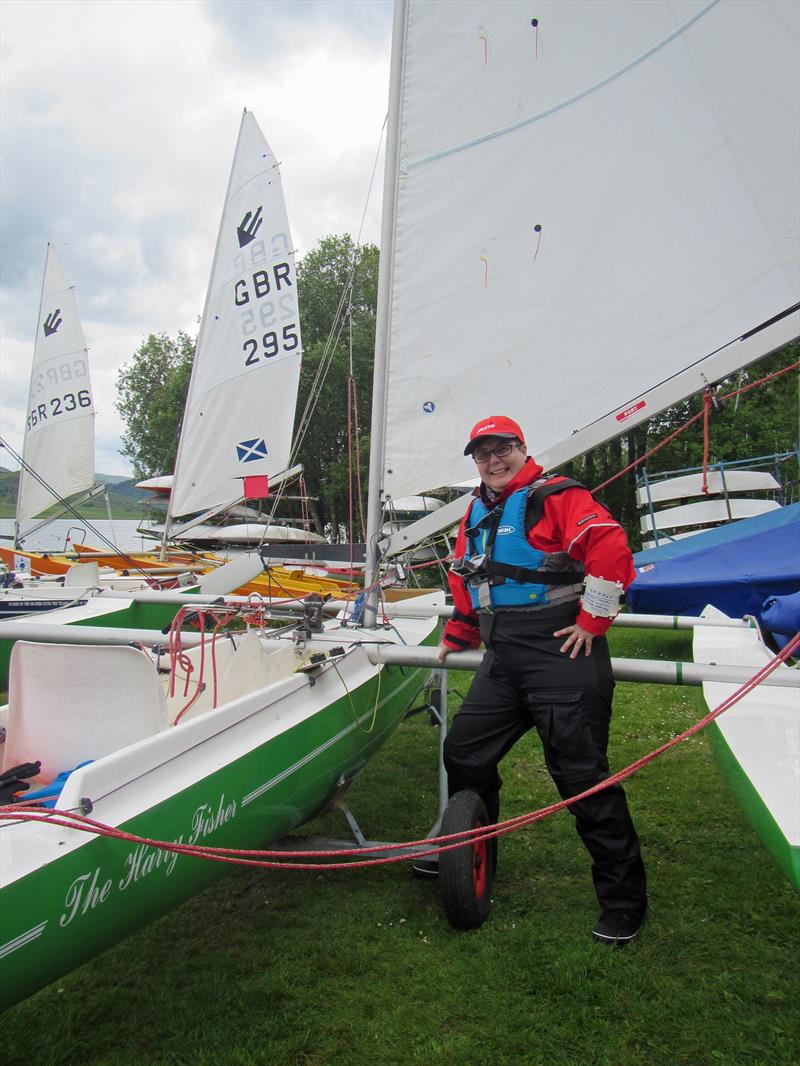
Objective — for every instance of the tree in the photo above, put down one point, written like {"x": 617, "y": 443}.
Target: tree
{"x": 151, "y": 396}
{"x": 152, "y": 389}
{"x": 323, "y": 278}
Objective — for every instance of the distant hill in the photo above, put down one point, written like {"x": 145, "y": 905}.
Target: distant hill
{"x": 112, "y": 479}
{"x": 124, "y": 497}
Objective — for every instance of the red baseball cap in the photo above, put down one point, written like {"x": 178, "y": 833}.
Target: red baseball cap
{"x": 494, "y": 426}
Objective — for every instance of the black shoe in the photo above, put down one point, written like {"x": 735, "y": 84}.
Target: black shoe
{"x": 618, "y": 927}
{"x": 426, "y": 868}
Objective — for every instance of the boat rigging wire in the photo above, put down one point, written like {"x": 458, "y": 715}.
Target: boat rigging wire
{"x": 332, "y": 341}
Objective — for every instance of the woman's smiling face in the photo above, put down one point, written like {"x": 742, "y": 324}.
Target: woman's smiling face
{"x": 498, "y": 471}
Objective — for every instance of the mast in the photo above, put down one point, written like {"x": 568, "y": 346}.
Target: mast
{"x": 384, "y": 315}
{"x": 17, "y": 519}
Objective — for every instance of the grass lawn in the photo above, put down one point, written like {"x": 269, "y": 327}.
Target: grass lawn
{"x": 362, "y": 967}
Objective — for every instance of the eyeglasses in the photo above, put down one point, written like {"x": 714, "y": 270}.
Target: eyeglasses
{"x": 483, "y": 455}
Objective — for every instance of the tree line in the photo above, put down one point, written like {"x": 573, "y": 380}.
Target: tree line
{"x": 762, "y": 422}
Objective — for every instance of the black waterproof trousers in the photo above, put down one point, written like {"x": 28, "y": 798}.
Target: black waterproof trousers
{"x": 525, "y": 681}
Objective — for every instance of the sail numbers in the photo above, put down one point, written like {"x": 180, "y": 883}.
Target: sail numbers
{"x": 271, "y": 345}
{"x": 55, "y": 375}
{"x": 265, "y": 343}
{"x": 261, "y": 284}
{"x": 59, "y": 405}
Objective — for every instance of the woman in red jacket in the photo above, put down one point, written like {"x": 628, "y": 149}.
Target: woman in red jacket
{"x": 539, "y": 572}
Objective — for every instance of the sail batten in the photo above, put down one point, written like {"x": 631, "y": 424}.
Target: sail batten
{"x": 602, "y": 234}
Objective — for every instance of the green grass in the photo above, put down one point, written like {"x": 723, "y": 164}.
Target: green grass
{"x": 362, "y": 967}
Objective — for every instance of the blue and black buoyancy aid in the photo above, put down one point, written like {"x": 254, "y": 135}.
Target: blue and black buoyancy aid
{"x": 501, "y": 569}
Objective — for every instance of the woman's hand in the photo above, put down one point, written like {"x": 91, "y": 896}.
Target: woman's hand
{"x": 444, "y": 651}
{"x": 577, "y": 639}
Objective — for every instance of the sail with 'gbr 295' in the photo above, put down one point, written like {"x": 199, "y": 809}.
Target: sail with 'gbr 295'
{"x": 240, "y": 408}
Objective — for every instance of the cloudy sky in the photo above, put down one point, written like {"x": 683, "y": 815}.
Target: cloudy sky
{"x": 118, "y": 124}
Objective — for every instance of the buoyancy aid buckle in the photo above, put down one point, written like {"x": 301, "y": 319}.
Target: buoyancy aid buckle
{"x": 474, "y": 572}
{"x": 471, "y": 568}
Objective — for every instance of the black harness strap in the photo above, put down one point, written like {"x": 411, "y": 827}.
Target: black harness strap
{"x": 544, "y": 577}
{"x": 538, "y": 493}
{"x": 490, "y": 520}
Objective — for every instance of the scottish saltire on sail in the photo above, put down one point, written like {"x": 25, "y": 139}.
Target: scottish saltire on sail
{"x": 239, "y": 415}
{"x": 59, "y": 427}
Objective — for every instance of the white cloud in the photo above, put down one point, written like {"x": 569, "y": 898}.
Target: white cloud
{"x": 118, "y": 127}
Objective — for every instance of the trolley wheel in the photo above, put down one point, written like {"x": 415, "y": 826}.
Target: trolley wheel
{"x": 465, "y": 873}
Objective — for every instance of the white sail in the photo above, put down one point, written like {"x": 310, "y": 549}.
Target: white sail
{"x": 59, "y": 427}
{"x": 240, "y": 409}
{"x": 588, "y": 203}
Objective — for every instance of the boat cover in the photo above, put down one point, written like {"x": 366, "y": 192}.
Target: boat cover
{"x": 781, "y": 616}
{"x": 735, "y": 567}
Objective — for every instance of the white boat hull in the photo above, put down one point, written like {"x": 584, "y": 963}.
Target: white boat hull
{"x": 757, "y": 741}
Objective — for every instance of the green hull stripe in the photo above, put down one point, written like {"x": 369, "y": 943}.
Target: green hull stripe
{"x": 134, "y": 616}
{"x": 68, "y": 911}
{"x": 758, "y": 814}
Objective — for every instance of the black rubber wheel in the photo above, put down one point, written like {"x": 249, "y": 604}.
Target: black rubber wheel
{"x": 465, "y": 874}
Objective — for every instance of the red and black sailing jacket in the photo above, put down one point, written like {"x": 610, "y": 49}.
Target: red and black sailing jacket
{"x": 572, "y": 522}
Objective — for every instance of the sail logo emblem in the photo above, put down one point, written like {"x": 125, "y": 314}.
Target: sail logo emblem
{"x": 429, "y": 407}
{"x": 249, "y": 226}
{"x": 52, "y": 322}
{"x": 250, "y": 451}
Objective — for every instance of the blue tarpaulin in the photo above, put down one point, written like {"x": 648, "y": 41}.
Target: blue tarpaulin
{"x": 781, "y": 616}
{"x": 735, "y": 567}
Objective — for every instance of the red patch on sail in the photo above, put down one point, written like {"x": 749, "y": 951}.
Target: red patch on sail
{"x": 256, "y": 487}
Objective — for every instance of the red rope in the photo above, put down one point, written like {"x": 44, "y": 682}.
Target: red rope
{"x": 353, "y": 478}
{"x": 247, "y": 857}
{"x": 707, "y": 401}
{"x": 349, "y": 466}
{"x": 691, "y": 421}
{"x": 653, "y": 450}
{"x": 183, "y": 658}
{"x": 304, "y": 502}
{"x": 359, "y": 490}
{"x": 761, "y": 381}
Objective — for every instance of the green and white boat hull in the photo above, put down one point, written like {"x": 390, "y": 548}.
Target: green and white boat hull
{"x": 116, "y": 613}
{"x": 238, "y": 776}
{"x": 757, "y": 742}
